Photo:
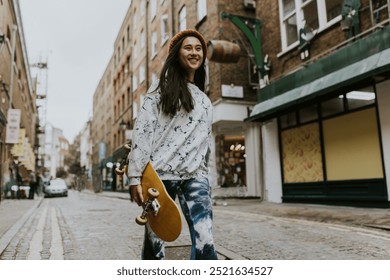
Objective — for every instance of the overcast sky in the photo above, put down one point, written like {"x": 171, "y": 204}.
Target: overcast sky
{"x": 76, "y": 38}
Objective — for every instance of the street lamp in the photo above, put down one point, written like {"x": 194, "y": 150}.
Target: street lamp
{"x": 124, "y": 125}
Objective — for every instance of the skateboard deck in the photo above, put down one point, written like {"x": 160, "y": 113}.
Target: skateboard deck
{"x": 159, "y": 209}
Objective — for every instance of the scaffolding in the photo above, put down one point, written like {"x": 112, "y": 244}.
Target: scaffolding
{"x": 39, "y": 71}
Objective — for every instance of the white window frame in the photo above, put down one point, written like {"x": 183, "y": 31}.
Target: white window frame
{"x": 143, "y": 39}
{"x": 153, "y": 9}
{"x": 154, "y": 77}
{"x": 183, "y": 18}
{"x": 201, "y": 7}
{"x": 141, "y": 73}
{"x": 298, "y": 11}
{"x": 135, "y": 82}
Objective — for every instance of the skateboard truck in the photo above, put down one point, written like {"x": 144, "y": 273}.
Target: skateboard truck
{"x": 150, "y": 205}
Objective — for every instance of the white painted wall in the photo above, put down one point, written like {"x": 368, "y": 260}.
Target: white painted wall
{"x": 271, "y": 155}
{"x": 383, "y": 98}
{"x": 253, "y": 160}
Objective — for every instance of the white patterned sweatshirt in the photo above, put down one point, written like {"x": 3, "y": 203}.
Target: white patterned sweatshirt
{"x": 176, "y": 146}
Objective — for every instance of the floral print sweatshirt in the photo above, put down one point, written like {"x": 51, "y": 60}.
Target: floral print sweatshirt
{"x": 176, "y": 146}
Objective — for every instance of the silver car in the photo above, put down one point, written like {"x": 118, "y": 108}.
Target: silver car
{"x": 56, "y": 187}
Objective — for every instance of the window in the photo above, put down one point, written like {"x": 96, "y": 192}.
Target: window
{"x": 154, "y": 44}
{"x": 182, "y": 18}
{"x": 164, "y": 29}
{"x": 380, "y": 11}
{"x": 143, "y": 39}
{"x": 317, "y": 14}
{"x": 153, "y": 8}
{"x": 202, "y": 9}
{"x": 135, "y": 83}
{"x": 142, "y": 8}
{"x": 141, "y": 73}
{"x": 154, "y": 77}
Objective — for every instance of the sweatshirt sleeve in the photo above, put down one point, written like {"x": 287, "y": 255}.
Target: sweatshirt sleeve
{"x": 142, "y": 141}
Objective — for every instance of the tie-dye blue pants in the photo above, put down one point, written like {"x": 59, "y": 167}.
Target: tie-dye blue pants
{"x": 195, "y": 201}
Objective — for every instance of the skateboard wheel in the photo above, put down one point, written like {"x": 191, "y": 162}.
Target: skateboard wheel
{"x": 119, "y": 171}
{"x": 153, "y": 193}
{"x": 141, "y": 221}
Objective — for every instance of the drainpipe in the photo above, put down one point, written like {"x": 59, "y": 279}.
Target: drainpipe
{"x": 147, "y": 46}
{"x": 173, "y": 17}
{"x": 11, "y": 82}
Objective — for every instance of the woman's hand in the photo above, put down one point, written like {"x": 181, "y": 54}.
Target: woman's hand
{"x": 136, "y": 194}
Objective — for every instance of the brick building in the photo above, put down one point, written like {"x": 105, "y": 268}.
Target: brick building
{"x": 325, "y": 126}
{"x": 299, "y": 108}
{"x": 17, "y": 94}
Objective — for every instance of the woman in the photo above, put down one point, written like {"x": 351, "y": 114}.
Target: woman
{"x": 173, "y": 131}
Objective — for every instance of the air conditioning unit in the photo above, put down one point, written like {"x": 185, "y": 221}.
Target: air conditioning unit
{"x": 250, "y": 4}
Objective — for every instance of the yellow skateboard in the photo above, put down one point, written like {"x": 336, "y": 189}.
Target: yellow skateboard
{"x": 159, "y": 209}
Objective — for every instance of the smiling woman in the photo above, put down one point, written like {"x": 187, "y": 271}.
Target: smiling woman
{"x": 173, "y": 132}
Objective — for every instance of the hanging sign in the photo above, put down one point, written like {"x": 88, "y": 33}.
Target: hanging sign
{"x": 13, "y": 123}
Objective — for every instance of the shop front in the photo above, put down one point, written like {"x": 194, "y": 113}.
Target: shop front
{"x": 236, "y": 168}
{"x": 333, "y": 129}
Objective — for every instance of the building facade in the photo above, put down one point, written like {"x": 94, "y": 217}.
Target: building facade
{"x": 299, "y": 90}
{"x": 18, "y": 111}
{"x": 324, "y": 122}
{"x": 101, "y": 130}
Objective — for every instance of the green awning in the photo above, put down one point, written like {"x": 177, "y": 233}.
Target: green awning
{"x": 373, "y": 65}
{"x": 358, "y": 60}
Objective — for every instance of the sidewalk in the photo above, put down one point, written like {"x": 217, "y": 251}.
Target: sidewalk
{"x": 13, "y": 214}
{"x": 358, "y": 216}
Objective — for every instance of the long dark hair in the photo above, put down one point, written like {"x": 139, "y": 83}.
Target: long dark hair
{"x": 173, "y": 83}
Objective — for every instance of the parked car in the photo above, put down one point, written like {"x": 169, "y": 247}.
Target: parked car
{"x": 56, "y": 187}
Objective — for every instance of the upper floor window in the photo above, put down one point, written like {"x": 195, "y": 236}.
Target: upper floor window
{"x": 143, "y": 39}
{"x": 164, "y": 29}
{"x": 141, "y": 73}
{"x": 380, "y": 11}
{"x": 316, "y": 14}
{"x": 153, "y": 8}
{"x": 154, "y": 44}
{"x": 201, "y": 8}
{"x": 182, "y": 18}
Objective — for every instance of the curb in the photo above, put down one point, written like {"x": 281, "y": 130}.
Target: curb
{"x": 7, "y": 237}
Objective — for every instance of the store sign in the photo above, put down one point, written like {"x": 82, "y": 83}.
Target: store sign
{"x": 232, "y": 91}
{"x": 12, "y": 132}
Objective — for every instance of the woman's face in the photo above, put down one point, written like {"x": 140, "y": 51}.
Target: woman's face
{"x": 191, "y": 55}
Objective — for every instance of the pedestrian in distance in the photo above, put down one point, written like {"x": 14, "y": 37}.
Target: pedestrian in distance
{"x": 173, "y": 132}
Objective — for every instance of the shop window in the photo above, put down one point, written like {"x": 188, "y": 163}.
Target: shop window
{"x": 352, "y": 146}
{"x": 231, "y": 154}
{"x": 288, "y": 120}
{"x": 333, "y": 106}
{"x": 308, "y": 114}
{"x": 302, "y": 161}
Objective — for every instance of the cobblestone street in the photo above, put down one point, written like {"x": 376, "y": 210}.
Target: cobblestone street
{"x": 88, "y": 226}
